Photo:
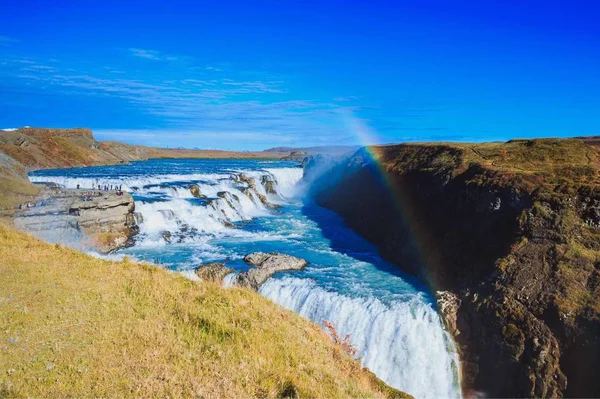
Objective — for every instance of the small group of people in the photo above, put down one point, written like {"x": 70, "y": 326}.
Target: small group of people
{"x": 88, "y": 196}
{"x": 111, "y": 187}
{"x": 106, "y": 187}
{"x": 30, "y": 204}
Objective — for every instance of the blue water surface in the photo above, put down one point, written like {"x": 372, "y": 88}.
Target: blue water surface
{"x": 389, "y": 315}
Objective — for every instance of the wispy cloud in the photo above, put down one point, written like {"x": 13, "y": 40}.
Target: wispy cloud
{"x": 253, "y": 87}
{"x": 36, "y": 67}
{"x": 144, "y": 53}
{"x": 199, "y": 104}
{"x": 151, "y": 54}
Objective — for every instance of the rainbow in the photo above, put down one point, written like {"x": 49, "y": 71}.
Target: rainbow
{"x": 405, "y": 206}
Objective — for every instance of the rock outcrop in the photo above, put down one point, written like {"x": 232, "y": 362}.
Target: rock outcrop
{"x": 266, "y": 264}
{"x": 195, "y": 190}
{"x": 269, "y": 184}
{"x": 214, "y": 272}
{"x": 296, "y": 155}
{"x": 104, "y": 222}
{"x": 250, "y": 190}
{"x": 108, "y": 219}
{"x": 508, "y": 232}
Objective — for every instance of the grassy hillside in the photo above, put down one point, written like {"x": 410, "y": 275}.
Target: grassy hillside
{"x": 15, "y": 188}
{"x": 76, "y": 326}
{"x": 524, "y": 163}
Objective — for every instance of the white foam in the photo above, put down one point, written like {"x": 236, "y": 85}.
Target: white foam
{"x": 228, "y": 203}
{"x": 128, "y": 182}
{"x": 288, "y": 180}
{"x": 229, "y": 279}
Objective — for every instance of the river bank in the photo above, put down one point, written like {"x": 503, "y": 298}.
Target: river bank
{"x": 75, "y": 303}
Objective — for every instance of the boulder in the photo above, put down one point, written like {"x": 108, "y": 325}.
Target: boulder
{"x": 195, "y": 190}
{"x": 245, "y": 179}
{"x": 269, "y": 184}
{"x": 448, "y": 304}
{"x": 266, "y": 264}
{"x": 214, "y": 272}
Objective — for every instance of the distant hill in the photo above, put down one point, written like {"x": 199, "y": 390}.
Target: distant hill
{"x": 316, "y": 150}
{"x": 27, "y": 149}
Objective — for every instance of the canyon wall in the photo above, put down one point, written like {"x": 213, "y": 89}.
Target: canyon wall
{"x": 508, "y": 236}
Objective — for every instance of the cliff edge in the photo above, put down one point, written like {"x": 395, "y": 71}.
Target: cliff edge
{"x": 508, "y": 234}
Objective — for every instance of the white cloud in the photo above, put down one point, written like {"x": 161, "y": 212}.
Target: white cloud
{"x": 191, "y": 99}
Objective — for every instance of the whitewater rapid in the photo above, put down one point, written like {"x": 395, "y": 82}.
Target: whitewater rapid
{"x": 391, "y": 321}
{"x": 401, "y": 342}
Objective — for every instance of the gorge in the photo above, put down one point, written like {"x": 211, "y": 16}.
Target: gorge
{"x": 451, "y": 268}
{"x": 204, "y": 211}
{"x": 507, "y": 234}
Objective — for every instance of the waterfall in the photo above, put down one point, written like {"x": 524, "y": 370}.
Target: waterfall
{"x": 402, "y": 342}
{"x": 394, "y": 327}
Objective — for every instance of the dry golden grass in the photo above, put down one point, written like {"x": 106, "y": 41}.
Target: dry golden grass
{"x": 76, "y": 326}
{"x": 15, "y": 190}
{"x": 566, "y": 159}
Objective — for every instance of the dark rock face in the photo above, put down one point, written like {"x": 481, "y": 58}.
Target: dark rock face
{"x": 513, "y": 264}
{"x": 265, "y": 266}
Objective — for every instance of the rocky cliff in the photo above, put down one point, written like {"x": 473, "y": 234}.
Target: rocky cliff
{"x": 508, "y": 235}
{"x": 101, "y": 221}
{"x": 108, "y": 219}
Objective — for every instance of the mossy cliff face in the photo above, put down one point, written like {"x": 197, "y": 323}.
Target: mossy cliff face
{"x": 510, "y": 233}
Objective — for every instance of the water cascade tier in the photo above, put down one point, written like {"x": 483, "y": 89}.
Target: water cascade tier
{"x": 192, "y": 212}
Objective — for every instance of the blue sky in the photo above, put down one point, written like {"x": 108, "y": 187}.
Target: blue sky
{"x": 257, "y": 74}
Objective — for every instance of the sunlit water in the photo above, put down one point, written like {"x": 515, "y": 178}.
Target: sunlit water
{"x": 389, "y": 316}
